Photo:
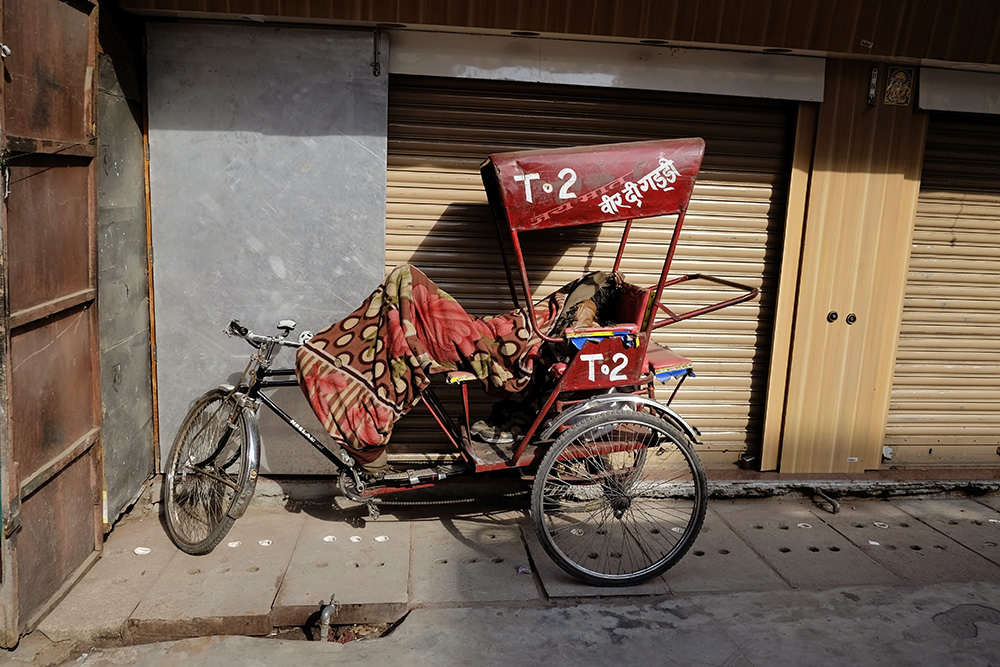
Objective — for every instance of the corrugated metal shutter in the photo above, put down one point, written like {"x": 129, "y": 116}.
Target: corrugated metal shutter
{"x": 441, "y": 129}
{"x": 946, "y": 392}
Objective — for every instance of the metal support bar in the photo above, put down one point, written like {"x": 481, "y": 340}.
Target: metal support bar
{"x": 376, "y": 53}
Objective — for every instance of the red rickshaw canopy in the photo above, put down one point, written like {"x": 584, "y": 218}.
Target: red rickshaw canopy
{"x": 541, "y": 189}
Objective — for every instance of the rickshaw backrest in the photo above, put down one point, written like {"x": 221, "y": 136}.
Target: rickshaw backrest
{"x": 631, "y": 306}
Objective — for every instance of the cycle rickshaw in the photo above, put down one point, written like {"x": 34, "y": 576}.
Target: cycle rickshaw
{"x": 618, "y": 494}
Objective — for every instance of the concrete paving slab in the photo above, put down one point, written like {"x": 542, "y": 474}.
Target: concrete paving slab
{"x": 663, "y": 634}
{"x": 992, "y": 500}
{"x": 229, "y": 591}
{"x": 950, "y": 624}
{"x": 365, "y": 567}
{"x": 559, "y": 584}
{"x": 913, "y": 550}
{"x": 802, "y": 549}
{"x": 37, "y": 650}
{"x": 98, "y": 607}
{"x": 721, "y": 561}
{"x": 473, "y": 559}
{"x": 968, "y": 522}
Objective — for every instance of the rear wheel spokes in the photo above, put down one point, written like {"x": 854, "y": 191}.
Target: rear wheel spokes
{"x": 618, "y": 499}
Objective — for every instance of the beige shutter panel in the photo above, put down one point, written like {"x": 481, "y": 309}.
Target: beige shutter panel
{"x": 946, "y": 392}
{"x": 441, "y": 129}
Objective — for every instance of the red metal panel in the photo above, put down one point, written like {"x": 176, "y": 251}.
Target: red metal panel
{"x": 605, "y": 363}
{"x": 49, "y": 236}
{"x": 542, "y": 189}
{"x": 53, "y": 397}
{"x": 57, "y": 534}
{"x": 49, "y": 76}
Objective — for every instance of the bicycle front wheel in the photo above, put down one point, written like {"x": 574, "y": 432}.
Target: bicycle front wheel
{"x": 206, "y": 472}
{"x": 619, "y": 498}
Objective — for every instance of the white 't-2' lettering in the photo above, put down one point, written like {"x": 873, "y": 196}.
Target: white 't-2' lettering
{"x": 527, "y": 178}
{"x": 614, "y": 374}
{"x": 567, "y": 175}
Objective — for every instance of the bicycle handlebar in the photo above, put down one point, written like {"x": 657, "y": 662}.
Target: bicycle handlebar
{"x": 237, "y": 329}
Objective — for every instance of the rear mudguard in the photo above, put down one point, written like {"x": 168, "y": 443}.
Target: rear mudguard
{"x": 611, "y": 402}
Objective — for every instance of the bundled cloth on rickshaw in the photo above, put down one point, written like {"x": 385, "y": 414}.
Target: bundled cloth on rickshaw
{"x": 363, "y": 373}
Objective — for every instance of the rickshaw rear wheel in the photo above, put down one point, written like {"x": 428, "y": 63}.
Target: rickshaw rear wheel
{"x": 619, "y": 498}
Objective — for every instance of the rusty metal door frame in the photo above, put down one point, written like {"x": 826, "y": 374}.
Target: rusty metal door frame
{"x": 10, "y": 509}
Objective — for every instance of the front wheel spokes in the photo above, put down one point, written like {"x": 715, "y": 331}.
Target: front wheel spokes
{"x": 223, "y": 442}
{"x": 228, "y": 480}
{"x": 207, "y": 472}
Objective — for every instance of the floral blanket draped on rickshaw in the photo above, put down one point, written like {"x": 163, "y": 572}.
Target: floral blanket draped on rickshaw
{"x": 364, "y": 372}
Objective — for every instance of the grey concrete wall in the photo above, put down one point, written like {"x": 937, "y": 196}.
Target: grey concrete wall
{"x": 123, "y": 286}
{"x": 267, "y": 177}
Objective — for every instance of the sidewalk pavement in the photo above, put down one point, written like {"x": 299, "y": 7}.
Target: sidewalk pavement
{"x": 769, "y": 581}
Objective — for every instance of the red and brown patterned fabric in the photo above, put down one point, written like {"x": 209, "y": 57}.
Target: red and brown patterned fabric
{"x": 364, "y": 372}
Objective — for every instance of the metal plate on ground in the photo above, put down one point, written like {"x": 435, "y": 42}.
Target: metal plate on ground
{"x": 229, "y": 591}
{"x": 910, "y": 548}
{"x": 972, "y": 524}
{"x": 720, "y": 561}
{"x": 804, "y": 551}
{"x": 559, "y": 584}
{"x": 364, "y": 567}
{"x": 470, "y": 559}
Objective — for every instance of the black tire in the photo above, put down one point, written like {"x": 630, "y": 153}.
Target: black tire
{"x": 619, "y": 498}
{"x": 206, "y": 473}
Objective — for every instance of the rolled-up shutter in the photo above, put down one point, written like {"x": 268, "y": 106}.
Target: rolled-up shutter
{"x": 945, "y": 405}
{"x": 440, "y": 130}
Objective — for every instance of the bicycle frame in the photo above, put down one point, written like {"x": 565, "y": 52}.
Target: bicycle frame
{"x": 262, "y": 377}
{"x": 285, "y": 377}
{"x": 338, "y": 456}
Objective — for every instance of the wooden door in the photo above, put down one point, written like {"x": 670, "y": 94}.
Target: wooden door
{"x": 50, "y": 435}
{"x": 859, "y": 222}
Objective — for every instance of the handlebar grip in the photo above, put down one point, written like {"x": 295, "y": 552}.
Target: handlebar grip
{"x": 238, "y": 329}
